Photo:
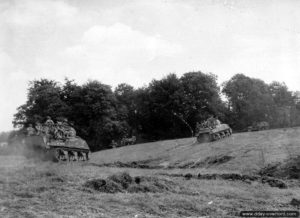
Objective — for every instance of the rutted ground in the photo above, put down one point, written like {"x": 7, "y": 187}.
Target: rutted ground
{"x": 175, "y": 178}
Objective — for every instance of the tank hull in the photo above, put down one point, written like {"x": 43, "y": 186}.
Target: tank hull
{"x": 217, "y": 133}
{"x": 204, "y": 137}
{"x": 73, "y": 149}
{"x": 259, "y": 126}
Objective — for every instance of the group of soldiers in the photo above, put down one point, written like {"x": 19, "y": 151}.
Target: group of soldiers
{"x": 58, "y": 130}
{"x": 210, "y": 123}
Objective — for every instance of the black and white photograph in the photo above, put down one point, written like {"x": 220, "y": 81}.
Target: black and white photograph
{"x": 149, "y": 108}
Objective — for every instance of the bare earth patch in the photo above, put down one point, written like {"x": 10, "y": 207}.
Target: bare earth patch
{"x": 123, "y": 182}
{"x": 290, "y": 169}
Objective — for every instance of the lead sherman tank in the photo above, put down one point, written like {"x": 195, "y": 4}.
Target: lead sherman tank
{"x": 56, "y": 145}
{"x": 208, "y": 134}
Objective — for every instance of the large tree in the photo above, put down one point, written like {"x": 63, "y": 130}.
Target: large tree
{"x": 249, "y": 100}
{"x": 43, "y": 99}
{"x": 156, "y": 105}
{"x": 170, "y": 107}
{"x": 285, "y": 113}
{"x": 200, "y": 97}
{"x": 91, "y": 108}
{"x": 127, "y": 108}
{"x": 94, "y": 110}
{"x": 281, "y": 95}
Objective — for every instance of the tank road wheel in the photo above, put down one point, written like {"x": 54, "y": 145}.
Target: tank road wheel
{"x": 222, "y": 134}
{"x": 58, "y": 155}
{"x": 84, "y": 156}
{"x": 76, "y": 156}
{"x": 203, "y": 138}
{"x": 80, "y": 156}
{"x": 66, "y": 155}
{"x": 70, "y": 156}
{"x": 217, "y": 136}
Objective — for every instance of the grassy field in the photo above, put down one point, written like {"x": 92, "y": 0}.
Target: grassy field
{"x": 160, "y": 179}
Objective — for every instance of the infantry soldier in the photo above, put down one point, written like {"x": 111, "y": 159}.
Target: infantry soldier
{"x": 65, "y": 122}
{"x": 204, "y": 124}
{"x": 211, "y": 122}
{"x": 39, "y": 128}
{"x": 30, "y": 130}
{"x": 59, "y": 130}
{"x": 49, "y": 122}
{"x": 49, "y": 127}
{"x": 69, "y": 131}
{"x": 217, "y": 122}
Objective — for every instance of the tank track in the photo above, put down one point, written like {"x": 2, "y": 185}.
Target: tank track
{"x": 219, "y": 135}
{"x": 67, "y": 154}
{"x": 209, "y": 136}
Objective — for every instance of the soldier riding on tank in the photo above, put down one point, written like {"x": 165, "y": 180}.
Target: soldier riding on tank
{"x": 49, "y": 121}
{"x": 39, "y": 128}
{"x": 49, "y": 127}
{"x": 30, "y": 130}
{"x": 59, "y": 130}
{"x": 217, "y": 121}
{"x": 211, "y": 122}
{"x": 69, "y": 132}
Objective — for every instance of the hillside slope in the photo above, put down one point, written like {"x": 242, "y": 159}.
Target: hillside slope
{"x": 242, "y": 152}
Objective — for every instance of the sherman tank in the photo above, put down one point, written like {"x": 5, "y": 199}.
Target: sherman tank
{"x": 209, "y": 134}
{"x": 257, "y": 126}
{"x": 71, "y": 149}
{"x": 56, "y": 143}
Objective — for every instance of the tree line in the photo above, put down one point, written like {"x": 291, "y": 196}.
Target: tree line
{"x": 164, "y": 109}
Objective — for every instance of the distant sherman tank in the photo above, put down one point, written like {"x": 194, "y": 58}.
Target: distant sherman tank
{"x": 56, "y": 142}
{"x": 206, "y": 133}
{"x": 128, "y": 141}
{"x": 257, "y": 126}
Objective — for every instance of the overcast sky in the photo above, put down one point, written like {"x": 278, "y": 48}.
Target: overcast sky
{"x": 117, "y": 41}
